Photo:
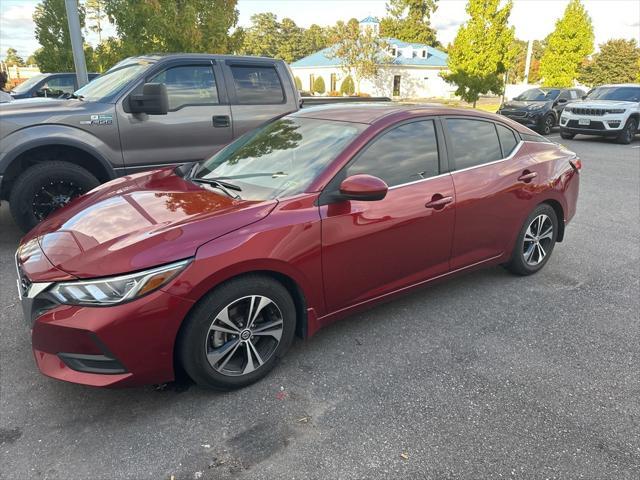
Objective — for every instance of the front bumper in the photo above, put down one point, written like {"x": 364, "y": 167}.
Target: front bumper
{"x": 529, "y": 119}
{"x": 116, "y": 346}
{"x": 606, "y": 125}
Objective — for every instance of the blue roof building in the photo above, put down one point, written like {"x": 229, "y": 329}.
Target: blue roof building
{"x": 408, "y": 69}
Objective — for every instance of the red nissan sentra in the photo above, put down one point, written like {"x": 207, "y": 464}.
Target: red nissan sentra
{"x": 215, "y": 267}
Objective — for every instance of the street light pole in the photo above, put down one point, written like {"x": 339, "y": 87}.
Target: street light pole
{"x": 76, "y": 41}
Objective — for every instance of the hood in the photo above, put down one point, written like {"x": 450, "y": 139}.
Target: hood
{"x": 19, "y": 114}
{"x": 602, "y": 104}
{"x": 522, "y": 105}
{"x": 138, "y": 222}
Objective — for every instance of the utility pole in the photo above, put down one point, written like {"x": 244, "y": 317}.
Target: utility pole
{"x": 527, "y": 64}
{"x": 76, "y": 41}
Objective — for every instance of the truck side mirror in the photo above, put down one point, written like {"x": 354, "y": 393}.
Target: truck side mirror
{"x": 153, "y": 100}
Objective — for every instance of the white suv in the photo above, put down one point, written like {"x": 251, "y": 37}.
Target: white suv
{"x": 608, "y": 111}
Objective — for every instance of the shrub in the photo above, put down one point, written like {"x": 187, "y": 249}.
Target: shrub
{"x": 298, "y": 82}
{"x": 318, "y": 85}
{"x": 347, "y": 87}
{"x": 334, "y": 93}
{"x": 364, "y": 95}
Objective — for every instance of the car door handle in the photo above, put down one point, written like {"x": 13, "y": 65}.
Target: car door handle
{"x": 221, "y": 121}
{"x": 438, "y": 202}
{"x": 527, "y": 176}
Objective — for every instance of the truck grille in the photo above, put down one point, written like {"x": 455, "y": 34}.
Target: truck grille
{"x": 588, "y": 111}
{"x": 592, "y": 126}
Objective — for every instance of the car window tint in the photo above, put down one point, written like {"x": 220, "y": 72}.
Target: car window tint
{"x": 404, "y": 154}
{"x": 189, "y": 85}
{"x": 564, "y": 95}
{"x": 474, "y": 142}
{"x": 508, "y": 140}
{"x": 257, "y": 85}
{"x": 574, "y": 94}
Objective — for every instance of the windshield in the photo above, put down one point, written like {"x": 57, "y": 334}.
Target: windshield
{"x": 27, "y": 84}
{"x": 623, "y": 94}
{"x": 112, "y": 81}
{"x": 538, "y": 95}
{"x": 282, "y": 158}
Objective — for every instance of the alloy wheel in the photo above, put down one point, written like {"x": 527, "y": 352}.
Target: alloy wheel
{"x": 548, "y": 124}
{"x": 244, "y": 335}
{"x": 537, "y": 240}
{"x": 52, "y": 196}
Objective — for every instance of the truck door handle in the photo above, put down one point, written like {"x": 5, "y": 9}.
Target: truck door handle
{"x": 527, "y": 176}
{"x": 438, "y": 202}
{"x": 221, "y": 121}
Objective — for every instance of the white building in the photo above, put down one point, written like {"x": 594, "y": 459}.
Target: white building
{"x": 412, "y": 70}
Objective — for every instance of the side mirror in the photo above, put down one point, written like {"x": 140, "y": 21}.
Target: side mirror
{"x": 561, "y": 101}
{"x": 583, "y": 97}
{"x": 363, "y": 187}
{"x": 153, "y": 100}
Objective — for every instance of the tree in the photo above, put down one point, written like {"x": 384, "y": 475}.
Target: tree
{"x": 482, "y": 51}
{"x": 52, "y": 32}
{"x": 347, "y": 87}
{"x": 409, "y": 21}
{"x": 568, "y": 47}
{"x": 31, "y": 60}
{"x": 173, "y": 26}
{"x": 360, "y": 51}
{"x": 318, "y": 85}
{"x": 285, "y": 40}
{"x": 96, "y": 15}
{"x": 617, "y": 62}
{"x": 13, "y": 59}
{"x": 517, "y": 70}
{"x": 298, "y": 82}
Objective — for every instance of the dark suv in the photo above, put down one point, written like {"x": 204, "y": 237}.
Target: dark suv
{"x": 540, "y": 108}
{"x": 48, "y": 85}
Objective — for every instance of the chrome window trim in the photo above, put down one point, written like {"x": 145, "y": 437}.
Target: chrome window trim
{"x": 420, "y": 181}
{"x": 511, "y": 155}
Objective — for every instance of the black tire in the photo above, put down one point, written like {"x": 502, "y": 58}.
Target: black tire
{"x": 519, "y": 264}
{"x": 625, "y": 137}
{"x": 68, "y": 179}
{"x": 196, "y": 338}
{"x": 547, "y": 124}
{"x": 567, "y": 135}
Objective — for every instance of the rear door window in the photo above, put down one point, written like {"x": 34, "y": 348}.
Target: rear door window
{"x": 257, "y": 85}
{"x": 474, "y": 142}
{"x": 508, "y": 140}
{"x": 404, "y": 154}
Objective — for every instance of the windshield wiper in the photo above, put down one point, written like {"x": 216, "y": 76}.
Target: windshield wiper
{"x": 252, "y": 175}
{"x": 224, "y": 186}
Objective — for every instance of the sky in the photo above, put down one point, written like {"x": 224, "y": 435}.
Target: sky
{"x": 533, "y": 19}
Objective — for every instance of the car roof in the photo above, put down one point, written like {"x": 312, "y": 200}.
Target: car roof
{"x": 620, "y": 85}
{"x": 371, "y": 113}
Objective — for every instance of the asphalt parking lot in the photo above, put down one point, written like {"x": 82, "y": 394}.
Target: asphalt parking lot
{"x": 486, "y": 376}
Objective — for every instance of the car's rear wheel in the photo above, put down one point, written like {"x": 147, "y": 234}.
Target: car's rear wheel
{"x": 44, "y": 188}
{"x": 625, "y": 137}
{"x": 535, "y": 241}
{"x": 567, "y": 135}
{"x": 237, "y": 333}
{"x": 548, "y": 122}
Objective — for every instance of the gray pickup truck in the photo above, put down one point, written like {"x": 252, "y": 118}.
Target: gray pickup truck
{"x": 145, "y": 112}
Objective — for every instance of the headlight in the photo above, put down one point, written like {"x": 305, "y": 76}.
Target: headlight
{"x": 567, "y": 110}
{"x": 536, "y": 107}
{"x": 112, "y": 290}
{"x": 615, "y": 110}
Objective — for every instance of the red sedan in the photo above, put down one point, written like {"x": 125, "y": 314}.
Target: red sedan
{"x": 215, "y": 267}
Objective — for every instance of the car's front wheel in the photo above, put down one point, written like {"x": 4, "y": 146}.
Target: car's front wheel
{"x": 535, "y": 241}
{"x": 236, "y": 334}
{"x": 567, "y": 135}
{"x": 628, "y": 132}
{"x": 548, "y": 122}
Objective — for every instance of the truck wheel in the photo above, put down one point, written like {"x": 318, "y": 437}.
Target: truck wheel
{"x": 625, "y": 137}
{"x": 44, "y": 188}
